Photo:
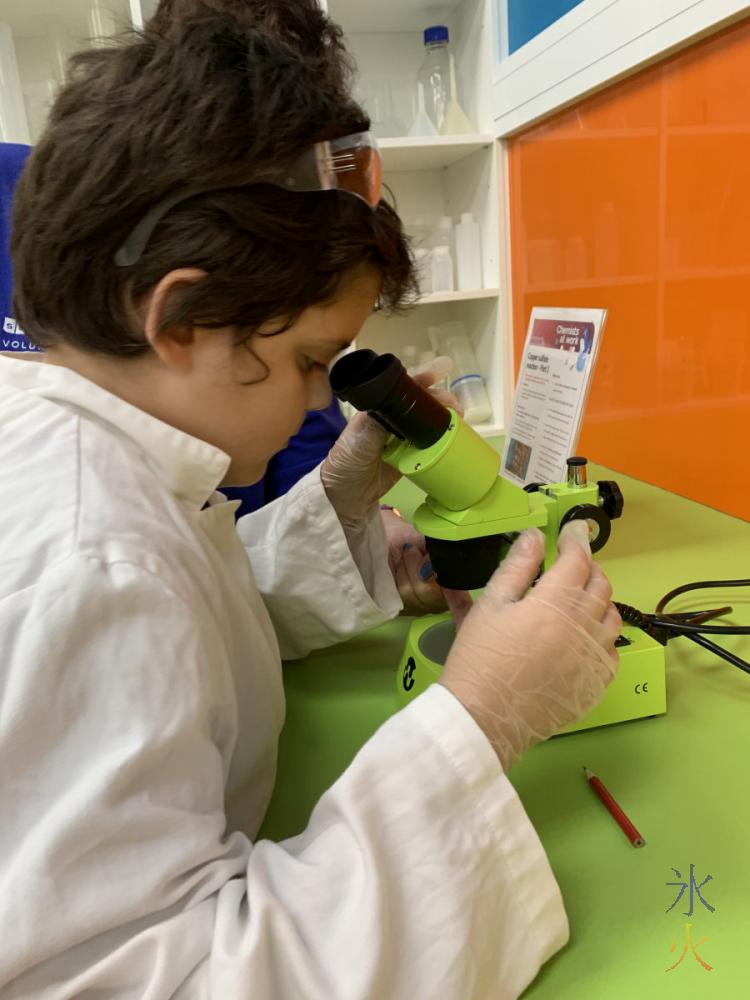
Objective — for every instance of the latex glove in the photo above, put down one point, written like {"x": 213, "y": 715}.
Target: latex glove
{"x": 412, "y": 571}
{"x": 525, "y": 666}
{"x": 354, "y": 475}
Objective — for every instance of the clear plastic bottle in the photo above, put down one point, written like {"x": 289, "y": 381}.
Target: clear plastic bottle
{"x": 443, "y": 242}
{"x": 423, "y": 261}
{"x": 466, "y": 382}
{"x": 422, "y": 124}
{"x": 442, "y": 235}
{"x": 435, "y": 74}
{"x": 409, "y": 356}
{"x": 419, "y": 230}
{"x": 442, "y": 269}
{"x": 426, "y": 358}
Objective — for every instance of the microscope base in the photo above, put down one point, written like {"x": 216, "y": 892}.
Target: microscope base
{"x": 638, "y": 691}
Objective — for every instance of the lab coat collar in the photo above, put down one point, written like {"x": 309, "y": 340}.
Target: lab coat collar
{"x": 192, "y": 469}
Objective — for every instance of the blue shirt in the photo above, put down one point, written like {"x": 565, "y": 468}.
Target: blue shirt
{"x": 12, "y": 159}
{"x": 305, "y": 450}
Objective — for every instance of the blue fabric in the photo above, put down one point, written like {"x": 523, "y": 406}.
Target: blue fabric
{"x": 305, "y": 451}
{"x": 12, "y": 159}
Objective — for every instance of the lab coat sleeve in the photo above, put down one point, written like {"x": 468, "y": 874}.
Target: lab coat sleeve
{"x": 419, "y": 876}
{"x": 317, "y": 591}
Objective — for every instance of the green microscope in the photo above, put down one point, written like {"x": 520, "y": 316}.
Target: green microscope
{"x": 471, "y": 515}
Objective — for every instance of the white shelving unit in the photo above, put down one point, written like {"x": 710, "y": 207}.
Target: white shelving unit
{"x": 428, "y": 177}
{"x": 433, "y": 298}
{"x": 418, "y": 153}
{"x": 36, "y": 39}
{"x": 443, "y": 175}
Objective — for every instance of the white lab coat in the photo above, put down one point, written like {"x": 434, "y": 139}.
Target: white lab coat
{"x": 140, "y": 704}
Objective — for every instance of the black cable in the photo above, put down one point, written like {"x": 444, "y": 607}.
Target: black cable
{"x": 701, "y": 585}
{"x": 697, "y": 629}
{"x": 690, "y": 625}
{"x": 723, "y": 653}
{"x": 684, "y": 628}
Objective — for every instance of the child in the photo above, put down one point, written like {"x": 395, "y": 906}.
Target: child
{"x": 190, "y": 283}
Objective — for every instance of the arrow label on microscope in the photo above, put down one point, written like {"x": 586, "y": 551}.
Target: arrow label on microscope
{"x": 409, "y": 669}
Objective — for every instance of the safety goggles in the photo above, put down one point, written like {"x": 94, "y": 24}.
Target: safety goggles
{"x": 351, "y": 163}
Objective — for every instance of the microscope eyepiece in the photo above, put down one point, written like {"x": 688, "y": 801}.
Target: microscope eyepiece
{"x": 379, "y": 384}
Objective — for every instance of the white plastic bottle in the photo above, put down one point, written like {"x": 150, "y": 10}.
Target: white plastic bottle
{"x": 435, "y": 74}
{"x": 468, "y": 254}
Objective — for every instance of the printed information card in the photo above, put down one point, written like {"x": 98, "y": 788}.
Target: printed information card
{"x": 553, "y": 384}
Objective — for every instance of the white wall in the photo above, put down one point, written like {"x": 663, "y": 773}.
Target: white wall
{"x": 14, "y": 126}
{"x": 142, "y": 10}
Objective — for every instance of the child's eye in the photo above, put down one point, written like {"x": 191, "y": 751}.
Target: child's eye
{"x": 310, "y": 364}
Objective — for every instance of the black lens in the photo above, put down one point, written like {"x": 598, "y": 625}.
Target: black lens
{"x": 466, "y": 565}
{"x": 379, "y": 384}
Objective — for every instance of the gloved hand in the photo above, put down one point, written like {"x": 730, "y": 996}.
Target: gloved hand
{"x": 354, "y": 475}
{"x": 525, "y": 666}
{"x": 412, "y": 571}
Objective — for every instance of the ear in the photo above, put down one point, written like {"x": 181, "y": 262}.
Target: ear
{"x": 175, "y": 345}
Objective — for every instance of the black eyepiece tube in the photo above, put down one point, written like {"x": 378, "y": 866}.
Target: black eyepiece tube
{"x": 379, "y": 384}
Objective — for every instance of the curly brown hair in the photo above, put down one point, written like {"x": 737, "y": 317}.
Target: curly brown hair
{"x": 209, "y": 93}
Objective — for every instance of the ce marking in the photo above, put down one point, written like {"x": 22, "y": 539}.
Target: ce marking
{"x": 641, "y": 688}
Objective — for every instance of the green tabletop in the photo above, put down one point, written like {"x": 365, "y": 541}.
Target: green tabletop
{"x": 684, "y": 778}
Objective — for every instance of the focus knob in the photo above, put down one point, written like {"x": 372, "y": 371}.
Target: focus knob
{"x": 611, "y": 499}
{"x": 577, "y": 470}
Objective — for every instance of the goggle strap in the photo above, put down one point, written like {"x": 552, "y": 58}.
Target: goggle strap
{"x": 315, "y": 170}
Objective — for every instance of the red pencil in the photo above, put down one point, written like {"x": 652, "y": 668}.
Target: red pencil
{"x": 612, "y": 807}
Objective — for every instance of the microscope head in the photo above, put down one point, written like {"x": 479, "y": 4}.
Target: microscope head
{"x": 471, "y": 514}
{"x": 379, "y": 384}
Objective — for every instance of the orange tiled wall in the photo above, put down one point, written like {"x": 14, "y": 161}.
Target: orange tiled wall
{"x": 638, "y": 199}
